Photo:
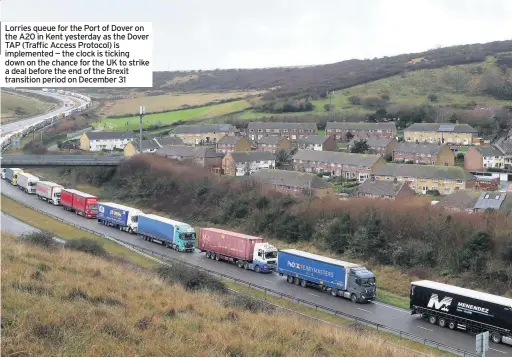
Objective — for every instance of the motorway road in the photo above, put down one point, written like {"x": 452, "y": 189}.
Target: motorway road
{"x": 9, "y": 127}
{"x": 390, "y": 316}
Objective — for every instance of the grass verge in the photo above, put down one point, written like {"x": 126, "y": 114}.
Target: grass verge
{"x": 68, "y": 232}
{"x": 18, "y": 107}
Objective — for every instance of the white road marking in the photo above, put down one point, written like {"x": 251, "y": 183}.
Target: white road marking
{"x": 361, "y": 309}
{"x": 393, "y": 308}
{"x": 312, "y": 294}
{"x": 270, "y": 281}
{"x": 498, "y": 350}
{"x": 427, "y": 329}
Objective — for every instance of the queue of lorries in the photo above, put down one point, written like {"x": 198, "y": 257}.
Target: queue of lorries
{"x": 445, "y": 305}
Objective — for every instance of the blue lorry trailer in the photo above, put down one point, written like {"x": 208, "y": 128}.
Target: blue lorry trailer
{"x": 341, "y": 278}
{"x": 119, "y": 216}
{"x": 173, "y": 234}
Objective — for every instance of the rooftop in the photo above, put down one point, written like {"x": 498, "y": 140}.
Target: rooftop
{"x": 424, "y": 171}
{"x": 281, "y": 125}
{"x": 420, "y": 148}
{"x": 271, "y": 140}
{"x": 255, "y": 156}
{"x": 188, "y": 152}
{"x": 110, "y": 135}
{"x": 441, "y": 127}
{"x": 291, "y": 178}
{"x": 313, "y": 139}
{"x": 490, "y": 151}
{"x": 361, "y": 160}
{"x": 505, "y": 147}
{"x": 202, "y": 128}
{"x": 372, "y": 141}
{"x": 361, "y": 126}
{"x": 380, "y": 187}
{"x": 146, "y": 144}
{"x": 163, "y": 141}
{"x": 229, "y": 140}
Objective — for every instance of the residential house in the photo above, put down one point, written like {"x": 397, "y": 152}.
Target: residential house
{"x": 424, "y": 178}
{"x": 318, "y": 142}
{"x": 97, "y": 141}
{"x": 347, "y": 165}
{"x": 150, "y": 145}
{"x": 458, "y": 134}
{"x": 203, "y": 134}
{"x": 274, "y": 143}
{"x": 292, "y": 182}
{"x": 384, "y": 189}
{"x": 481, "y": 158}
{"x": 506, "y": 149}
{"x": 339, "y": 130}
{"x": 204, "y": 156}
{"x": 230, "y": 144}
{"x": 420, "y": 153}
{"x": 377, "y": 145}
{"x": 291, "y": 131}
{"x": 244, "y": 163}
{"x": 472, "y": 201}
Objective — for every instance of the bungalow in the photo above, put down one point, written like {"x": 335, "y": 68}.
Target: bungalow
{"x": 150, "y": 145}
{"x": 203, "y": 156}
{"x": 434, "y": 154}
{"x": 384, "y": 189}
{"x": 423, "y": 178}
{"x": 472, "y": 201}
{"x": 318, "y": 142}
{"x": 244, "y": 163}
{"x": 348, "y": 165}
{"x": 292, "y": 182}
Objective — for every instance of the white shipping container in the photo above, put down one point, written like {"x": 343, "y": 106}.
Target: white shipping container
{"x": 27, "y": 182}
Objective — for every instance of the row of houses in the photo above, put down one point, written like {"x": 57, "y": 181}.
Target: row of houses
{"x": 498, "y": 156}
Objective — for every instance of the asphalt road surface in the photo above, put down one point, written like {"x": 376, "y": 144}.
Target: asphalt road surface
{"x": 384, "y": 314}
{"x": 9, "y": 127}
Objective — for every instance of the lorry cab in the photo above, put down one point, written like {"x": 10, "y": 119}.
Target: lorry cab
{"x": 133, "y": 220}
{"x": 3, "y": 173}
{"x": 31, "y": 185}
{"x": 265, "y": 255}
{"x": 186, "y": 237}
{"x": 362, "y": 283}
{"x": 56, "y": 195}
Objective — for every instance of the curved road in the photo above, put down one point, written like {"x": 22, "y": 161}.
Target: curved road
{"x": 390, "y": 316}
{"x": 10, "y": 127}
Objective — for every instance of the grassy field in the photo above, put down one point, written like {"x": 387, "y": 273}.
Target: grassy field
{"x": 31, "y": 282}
{"x": 167, "y": 102}
{"x": 161, "y": 119}
{"x": 25, "y": 106}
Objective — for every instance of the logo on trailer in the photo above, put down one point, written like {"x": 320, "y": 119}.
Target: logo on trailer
{"x": 443, "y": 305}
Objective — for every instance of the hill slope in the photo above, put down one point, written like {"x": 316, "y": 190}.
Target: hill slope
{"x": 66, "y": 303}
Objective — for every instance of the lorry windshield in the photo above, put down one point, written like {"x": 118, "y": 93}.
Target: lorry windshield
{"x": 92, "y": 207}
{"x": 57, "y": 195}
{"x": 31, "y": 184}
{"x": 188, "y": 236}
{"x": 135, "y": 219}
{"x": 271, "y": 255}
{"x": 368, "y": 281}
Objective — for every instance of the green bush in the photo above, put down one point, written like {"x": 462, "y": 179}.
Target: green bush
{"x": 44, "y": 239}
{"x": 87, "y": 245}
{"x": 190, "y": 278}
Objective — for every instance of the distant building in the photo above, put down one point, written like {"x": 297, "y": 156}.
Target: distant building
{"x": 274, "y": 143}
{"x": 318, "y": 142}
{"x": 377, "y": 145}
{"x": 230, "y": 144}
{"x": 384, "y": 189}
{"x": 339, "y": 130}
{"x": 433, "y": 154}
{"x": 289, "y": 130}
{"x": 98, "y": 141}
{"x": 150, "y": 145}
{"x": 472, "y": 201}
{"x": 244, "y": 163}
{"x": 293, "y": 183}
{"x": 481, "y": 158}
{"x": 445, "y": 133}
{"x": 203, "y": 134}
{"x": 204, "y": 156}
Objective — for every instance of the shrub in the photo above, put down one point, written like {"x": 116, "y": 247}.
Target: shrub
{"x": 41, "y": 238}
{"x": 190, "y": 278}
{"x": 87, "y": 245}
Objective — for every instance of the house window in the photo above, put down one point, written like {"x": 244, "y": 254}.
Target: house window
{"x": 459, "y": 181}
{"x": 447, "y": 181}
{"x": 410, "y": 179}
{"x": 377, "y": 177}
{"x": 447, "y": 190}
{"x": 388, "y": 178}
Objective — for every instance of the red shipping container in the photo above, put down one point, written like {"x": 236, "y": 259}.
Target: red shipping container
{"x": 228, "y": 243}
{"x": 82, "y": 203}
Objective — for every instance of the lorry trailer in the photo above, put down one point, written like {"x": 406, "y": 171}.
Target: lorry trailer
{"x": 49, "y": 192}
{"x": 460, "y": 308}
{"x": 119, "y": 216}
{"x": 343, "y": 279}
{"x": 248, "y": 252}
{"x": 27, "y": 182}
{"x": 11, "y": 174}
{"x": 81, "y": 203}
{"x": 170, "y": 233}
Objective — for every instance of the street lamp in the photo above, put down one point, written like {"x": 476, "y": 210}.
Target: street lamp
{"x": 142, "y": 112}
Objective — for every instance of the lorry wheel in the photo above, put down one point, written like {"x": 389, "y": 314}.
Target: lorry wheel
{"x": 130, "y": 231}
{"x": 432, "y": 319}
{"x": 257, "y": 269}
{"x": 303, "y": 283}
{"x": 207, "y": 254}
{"x": 334, "y": 292}
{"x": 240, "y": 264}
{"x": 296, "y": 280}
{"x": 496, "y": 337}
{"x": 442, "y": 322}
{"x": 289, "y": 279}
{"x": 217, "y": 257}
{"x": 451, "y": 325}
{"x": 246, "y": 265}
{"x": 353, "y": 298}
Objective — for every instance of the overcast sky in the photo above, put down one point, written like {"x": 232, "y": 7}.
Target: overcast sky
{"x": 208, "y": 34}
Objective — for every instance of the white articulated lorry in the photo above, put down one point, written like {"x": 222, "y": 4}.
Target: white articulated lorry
{"x": 27, "y": 182}
{"x": 49, "y": 192}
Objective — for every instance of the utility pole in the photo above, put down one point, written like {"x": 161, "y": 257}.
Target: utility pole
{"x": 142, "y": 112}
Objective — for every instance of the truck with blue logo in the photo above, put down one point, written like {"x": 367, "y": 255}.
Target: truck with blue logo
{"x": 173, "y": 234}
{"x": 248, "y": 252}
{"x": 341, "y": 278}
{"x": 119, "y": 216}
